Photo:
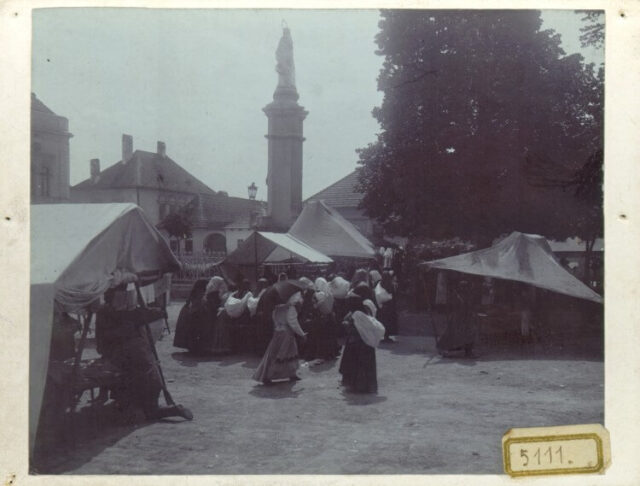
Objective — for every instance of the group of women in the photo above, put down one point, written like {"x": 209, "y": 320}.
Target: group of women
{"x": 293, "y": 320}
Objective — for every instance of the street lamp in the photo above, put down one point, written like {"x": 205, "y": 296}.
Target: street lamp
{"x": 252, "y": 190}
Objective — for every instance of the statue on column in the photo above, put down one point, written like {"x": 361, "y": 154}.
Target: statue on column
{"x": 284, "y": 58}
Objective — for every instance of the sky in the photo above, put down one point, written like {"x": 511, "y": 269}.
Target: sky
{"x": 198, "y": 80}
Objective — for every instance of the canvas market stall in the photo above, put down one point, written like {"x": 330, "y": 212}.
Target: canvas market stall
{"x": 519, "y": 257}
{"x": 274, "y": 249}
{"x": 522, "y": 258}
{"x": 75, "y": 249}
{"x": 324, "y": 229}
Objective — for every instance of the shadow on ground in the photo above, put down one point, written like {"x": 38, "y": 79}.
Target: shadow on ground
{"x": 93, "y": 430}
{"x": 276, "y": 390}
{"x": 362, "y": 398}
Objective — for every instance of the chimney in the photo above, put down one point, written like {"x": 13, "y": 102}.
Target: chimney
{"x": 95, "y": 170}
{"x": 127, "y": 147}
{"x": 162, "y": 149}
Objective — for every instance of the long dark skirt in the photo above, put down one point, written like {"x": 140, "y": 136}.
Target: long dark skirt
{"x": 242, "y": 333}
{"x": 183, "y": 328}
{"x": 142, "y": 380}
{"x": 221, "y": 342}
{"x": 358, "y": 365}
{"x": 388, "y": 316}
{"x": 194, "y": 329}
{"x": 460, "y": 333}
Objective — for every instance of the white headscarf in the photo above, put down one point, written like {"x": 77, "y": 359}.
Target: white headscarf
{"x": 321, "y": 285}
{"x": 306, "y": 281}
{"x": 339, "y": 287}
{"x": 381, "y": 295}
{"x": 216, "y": 284}
{"x": 371, "y": 306}
{"x": 323, "y": 297}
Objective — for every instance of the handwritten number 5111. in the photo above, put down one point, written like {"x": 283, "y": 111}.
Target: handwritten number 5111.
{"x": 538, "y": 456}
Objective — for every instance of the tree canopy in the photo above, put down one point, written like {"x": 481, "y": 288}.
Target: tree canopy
{"x": 468, "y": 97}
{"x": 178, "y": 224}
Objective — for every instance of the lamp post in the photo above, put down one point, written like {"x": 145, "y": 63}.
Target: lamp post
{"x": 252, "y": 191}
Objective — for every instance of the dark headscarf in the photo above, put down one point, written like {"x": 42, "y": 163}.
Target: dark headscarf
{"x": 387, "y": 281}
{"x": 360, "y": 275}
{"x": 263, "y": 283}
{"x": 353, "y": 303}
{"x": 243, "y": 287}
{"x": 197, "y": 291}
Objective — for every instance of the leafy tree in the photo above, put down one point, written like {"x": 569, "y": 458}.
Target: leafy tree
{"x": 593, "y": 31}
{"x": 468, "y": 96}
{"x": 178, "y": 224}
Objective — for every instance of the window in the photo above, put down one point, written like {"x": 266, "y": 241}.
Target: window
{"x": 188, "y": 246}
{"x": 174, "y": 245}
{"x": 44, "y": 176}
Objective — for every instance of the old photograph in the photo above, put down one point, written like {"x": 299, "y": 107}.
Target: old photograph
{"x": 281, "y": 241}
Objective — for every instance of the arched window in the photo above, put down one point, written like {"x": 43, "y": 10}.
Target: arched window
{"x": 215, "y": 243}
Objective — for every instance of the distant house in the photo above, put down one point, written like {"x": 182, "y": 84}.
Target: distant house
{"x": 160, "y": 186}
{"x": 49, "y": 154}
{"x": 571, "y": 253}
{"x": 343, "y": 197}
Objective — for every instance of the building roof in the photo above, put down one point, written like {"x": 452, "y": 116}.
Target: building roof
{"x": 341, "y": 194}
{"x": 38, "y": 105}
{"x": 155, "y": 172}
{"x": 216, "y": 211}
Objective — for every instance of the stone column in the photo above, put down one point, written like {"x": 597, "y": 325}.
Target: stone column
{"x": 285, "y": 136}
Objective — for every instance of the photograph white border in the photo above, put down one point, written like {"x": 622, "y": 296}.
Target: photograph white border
{"x": 622, "y": 244}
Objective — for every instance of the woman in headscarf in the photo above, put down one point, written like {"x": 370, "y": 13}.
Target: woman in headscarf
{"x": 216, "y": 295}
{"x": 386, "y": 302}
{"x": 360, "y": 284}
{"x": 264, "y": 321}
{"x": 374, "y": 277}
{"x": 358, "y": 365}
{"x": 306, "y": 319}
{"x": 281, "y": 360}
{"x": 236, "y": 314}
{"x": 339, "y": 288}
{"x": 252, "y": 302}
{"x": 325, "y": 327}
{"x": 461, "y": 331}
{"x": 194, "y": 325}
{"x": 252, "y": 305}
{"x": 126, "y": 345}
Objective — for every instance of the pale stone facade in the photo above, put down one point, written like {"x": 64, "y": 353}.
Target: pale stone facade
{"x": 160, "y": 186}
{"x": 49, "y": 154}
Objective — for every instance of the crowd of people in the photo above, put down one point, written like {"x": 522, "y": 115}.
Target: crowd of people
{"x": 287, "y": 320}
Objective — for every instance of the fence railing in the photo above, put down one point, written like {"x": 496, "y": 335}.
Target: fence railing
{"x": 199, "y": 265}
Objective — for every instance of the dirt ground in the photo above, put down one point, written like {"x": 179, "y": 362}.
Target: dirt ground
{"x": 431, "y": 415}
